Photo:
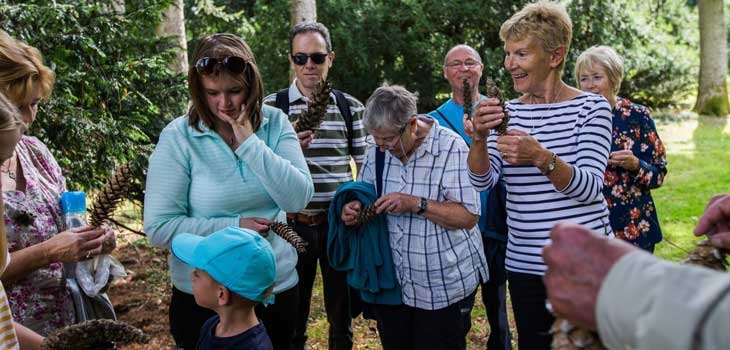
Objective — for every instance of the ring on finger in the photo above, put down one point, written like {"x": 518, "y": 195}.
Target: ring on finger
{"x": 549, "y": 307}
{"x": 504, "y": 154}
{"x": 88, "y": 255}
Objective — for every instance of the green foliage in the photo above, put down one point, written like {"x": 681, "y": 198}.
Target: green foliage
{"x": 114, "y": 91}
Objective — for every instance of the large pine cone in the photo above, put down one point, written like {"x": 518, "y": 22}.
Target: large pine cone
{"x": 467, "y": 98}
{"x": 366, "y": 214}
{"x": 494, "y": 92}
{"x": 116, "y": 188}
{"x": 288, "y": 234}
{"x": 93, "y": 335}
{"x": 705, "y": 254}
{"x": 317, "y": 109}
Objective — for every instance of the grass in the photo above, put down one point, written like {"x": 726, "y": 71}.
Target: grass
{"x": 698, "y": 154}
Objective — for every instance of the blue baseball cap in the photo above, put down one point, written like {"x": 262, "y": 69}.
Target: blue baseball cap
{"x": 240, "y": 259}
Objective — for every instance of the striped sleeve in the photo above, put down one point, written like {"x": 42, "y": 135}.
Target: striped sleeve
{"x": 8, "y": 339}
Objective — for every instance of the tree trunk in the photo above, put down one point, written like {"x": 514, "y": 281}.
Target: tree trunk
{"x": 712, "y": 96}
{"x": 303, "y": 11}
{"x": 173, "y": 25}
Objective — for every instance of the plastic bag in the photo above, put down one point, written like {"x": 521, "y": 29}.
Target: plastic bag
{"x": 93, "y": 275}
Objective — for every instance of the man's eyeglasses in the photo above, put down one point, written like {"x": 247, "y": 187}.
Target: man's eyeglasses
{"x": 469, "y": 64}
{"x": 232, "y": 64}
{"x": 300, "y": 59}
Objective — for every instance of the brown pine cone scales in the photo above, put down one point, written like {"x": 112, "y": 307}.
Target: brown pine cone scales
{"x": 467, "y": 98}
{"x": 366, "y": 214}
{"x": 93, "y": 335}
{"x": 116, "y": 188}
{"x": 705, "y": 254}
{"x": 287, "y": 233}
{"x": 494, "y": 92}
{"x": 317, "y": 109}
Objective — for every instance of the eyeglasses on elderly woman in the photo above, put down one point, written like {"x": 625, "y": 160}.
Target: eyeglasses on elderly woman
{"x": 232, "y": 64}
{"x": 387, "y": 142}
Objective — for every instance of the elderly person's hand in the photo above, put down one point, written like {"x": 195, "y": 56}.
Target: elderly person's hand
{"x": 715, "y": 221}
{"x": 578, "y": 261}
{"x": 260, "y": 225}
{"x": 75, "y": 244}
{"x": 488, "y": 115}
{"x": 624, "y": 159}
{"x": 520, "y": 148}
{"x": 350, "y": 212}
{"x": 397, "y": 203}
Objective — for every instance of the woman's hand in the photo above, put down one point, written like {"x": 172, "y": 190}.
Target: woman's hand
{"x": 350, "y": 212}
{"x": 397, "y": 203}
{"x": 624, "y": 159}
{"x": 260, "y": 225}
{"x": 241, "y": 126}
{"x": 519, "y": 148}
{"x": 75, "y": 244}
{"x": 488, "y": 115}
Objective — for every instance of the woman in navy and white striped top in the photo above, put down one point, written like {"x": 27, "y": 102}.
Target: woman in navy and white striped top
{"x": 553, "y": 156}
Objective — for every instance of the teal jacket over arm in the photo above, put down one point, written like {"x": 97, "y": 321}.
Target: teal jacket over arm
{"x": 362, "y": 251}
{"x": 197, "y": 184}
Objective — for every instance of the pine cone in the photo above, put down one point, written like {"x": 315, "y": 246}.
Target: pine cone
{"x": 467, "y": 98}
{"x": 288, "y": 234}
{"x": 366, "y": 214}
{"x": 93, "y": 335}
{"x": 494, "y": 92}
{"x": 317, "y": 109}
{"x": 116, "y": 188}
{"x": 569, "y": 337}
{"x": 705, "y": 254}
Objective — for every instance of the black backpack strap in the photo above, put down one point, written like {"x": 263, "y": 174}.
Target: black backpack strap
{"x": 282, "y": 100}
{"x": 379, "y": 166}
{"x": 344, "y": 107}
{"x": 451, "y": 125}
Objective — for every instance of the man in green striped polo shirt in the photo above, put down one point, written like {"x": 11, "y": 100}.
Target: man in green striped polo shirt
{"x": 329, "y": 151}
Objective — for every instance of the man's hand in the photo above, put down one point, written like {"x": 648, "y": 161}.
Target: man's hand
{"x": 305, "y": 138}
{"x": 578, "y": 261}
{"x": 715, "y": 221}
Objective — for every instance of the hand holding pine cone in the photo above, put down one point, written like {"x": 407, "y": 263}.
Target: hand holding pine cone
{"x": 317, "y": 109}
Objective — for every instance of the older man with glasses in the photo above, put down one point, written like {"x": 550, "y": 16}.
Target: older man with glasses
{"x": 463, "y": 63}
{"x": 329, "y": 150}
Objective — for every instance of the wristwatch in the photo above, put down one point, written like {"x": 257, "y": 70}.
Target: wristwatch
{"x": 422, "y": 206}
{"x": 551, "y": 165}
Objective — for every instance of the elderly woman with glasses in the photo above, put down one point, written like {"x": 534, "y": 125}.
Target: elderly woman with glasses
{"x": 552, "y": 156}
{"x": 230, "y": 161}
{"x": 431, "y": 212}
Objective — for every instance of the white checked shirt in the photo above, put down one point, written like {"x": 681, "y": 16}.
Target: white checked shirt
{"x": 436, "y": 266}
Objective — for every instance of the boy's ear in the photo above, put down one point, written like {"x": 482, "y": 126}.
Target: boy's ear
{"x": 224, "y": 295}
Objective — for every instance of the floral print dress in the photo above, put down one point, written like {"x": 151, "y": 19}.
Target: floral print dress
{"x": 628, "y": 193}
{"x": 40, "y": 300}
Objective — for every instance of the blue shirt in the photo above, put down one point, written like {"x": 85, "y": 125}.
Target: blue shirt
{"x": 255, "y": 338}
{"x": 197, "y": 184}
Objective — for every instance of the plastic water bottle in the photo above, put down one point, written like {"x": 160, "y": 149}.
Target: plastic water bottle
{"x": 73, "y": 208}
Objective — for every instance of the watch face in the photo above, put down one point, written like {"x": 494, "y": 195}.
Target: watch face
{"x": 424, "y": 204}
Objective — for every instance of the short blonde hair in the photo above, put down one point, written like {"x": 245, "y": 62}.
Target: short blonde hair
{"x": 546, "y": 21}
{"x": 22, "y": 69}
{"x": 604, "y": 57}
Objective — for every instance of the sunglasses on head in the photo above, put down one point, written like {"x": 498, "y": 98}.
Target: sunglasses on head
{"x": 300, "y": 59}
{"x": 232, "y": 64}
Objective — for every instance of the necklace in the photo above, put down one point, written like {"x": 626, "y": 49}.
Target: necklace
{"x": 532, "y": 102}
{"x": 8, "y": 167}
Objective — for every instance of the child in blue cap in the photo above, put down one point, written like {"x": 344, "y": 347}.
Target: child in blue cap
{"x": 235, "y": 270}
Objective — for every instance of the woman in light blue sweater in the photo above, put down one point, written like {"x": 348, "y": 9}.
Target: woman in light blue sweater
{"x": 231, "y": 161}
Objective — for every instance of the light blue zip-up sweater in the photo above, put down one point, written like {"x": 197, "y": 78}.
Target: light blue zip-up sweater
{"x": 197, "y": 184}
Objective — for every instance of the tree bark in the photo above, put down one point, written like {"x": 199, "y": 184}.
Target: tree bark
{"x": 712, "y": 96}
{"x": 303, "y": 11}
{"x": 173, "y": 25}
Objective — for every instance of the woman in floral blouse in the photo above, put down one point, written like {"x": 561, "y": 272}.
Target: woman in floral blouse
{"x": 637, "y": 163}
{"x": 32, "y": 184}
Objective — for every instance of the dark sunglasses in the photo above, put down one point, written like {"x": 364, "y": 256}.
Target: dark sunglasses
{"x": 232, "y": 64}
{"x": 300, "y": 59}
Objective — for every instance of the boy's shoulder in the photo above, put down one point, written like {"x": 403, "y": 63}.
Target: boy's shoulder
{"x": 254, "y": 338}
